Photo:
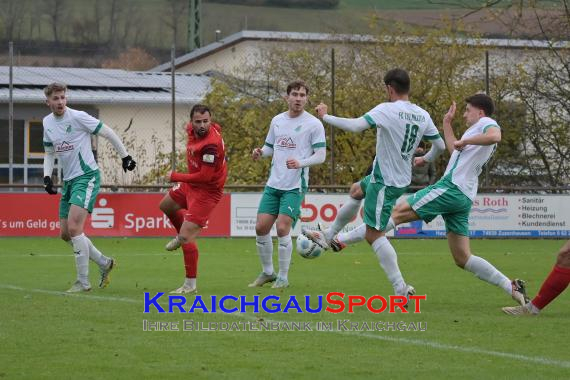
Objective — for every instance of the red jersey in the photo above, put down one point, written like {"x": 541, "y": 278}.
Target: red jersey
{"x": 206, "y": 160}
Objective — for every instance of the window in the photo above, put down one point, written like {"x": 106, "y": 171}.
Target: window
{"x": 35, "y": 139}
{"x": 18, "y": 141}
{"x": 27, "y": 166}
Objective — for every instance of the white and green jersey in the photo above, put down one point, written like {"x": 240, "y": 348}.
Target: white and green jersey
{"x": 465, "y": 166}
{"x": 296, "y": 138}
{"x": 70, "y": 137}
{"x": 401, "y": 125}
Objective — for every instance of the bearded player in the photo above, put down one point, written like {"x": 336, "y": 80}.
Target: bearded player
{"x": 190, "y": 202}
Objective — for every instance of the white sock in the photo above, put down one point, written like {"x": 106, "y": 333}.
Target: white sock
{"x": 284, "y": 250}
{"x": 190, "y": 282}
{"x": 390, "y": 226}
{"x": 388, "y": 259}
{"x": 344, "y": 216}
{"x": 483, "y": 270}
{"x": 96, "y": 255}
{"x": 81, "y": 251}
{"x": 264, "y": 246}
{"x": 353, "y": 236}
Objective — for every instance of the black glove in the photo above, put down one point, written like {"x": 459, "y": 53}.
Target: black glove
{"x": 129, "y": 164}
{"x": 48, "y": 185}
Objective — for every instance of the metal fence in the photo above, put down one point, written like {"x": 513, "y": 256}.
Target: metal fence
{"x": 149, "y": 109}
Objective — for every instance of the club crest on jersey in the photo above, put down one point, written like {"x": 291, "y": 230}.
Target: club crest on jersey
{"x": 63, "y": 147}
{"x": 68, "y": 130}
{"x": 285, "y": 142}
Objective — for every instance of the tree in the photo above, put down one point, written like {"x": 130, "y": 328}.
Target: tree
{"x": 245, "y": 102}
{"x": 11, "y": 13}
{"x": 56, "y": 10}
{"x": 177, "y": 14}
{"x": 538, "y": 91}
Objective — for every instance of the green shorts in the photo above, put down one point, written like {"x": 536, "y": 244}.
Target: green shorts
{"x": 364, "y": 182}
{"x": 379, "y": 202}
{"x": 80, "y": 191}
{"x": 443, "y": 198}
{"x": 285, "y": 202}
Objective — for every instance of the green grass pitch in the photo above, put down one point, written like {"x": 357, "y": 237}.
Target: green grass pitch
{"x": 46, "y": 334}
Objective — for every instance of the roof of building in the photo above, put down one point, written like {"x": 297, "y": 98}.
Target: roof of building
{"x": 244, "y": 35}
{"x": 102, "y": 86}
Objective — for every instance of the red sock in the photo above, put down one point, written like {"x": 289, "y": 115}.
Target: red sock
{"x": 177, "y": 219}
{"x": 190, "y": 251}
{"x": 554, "y": 284}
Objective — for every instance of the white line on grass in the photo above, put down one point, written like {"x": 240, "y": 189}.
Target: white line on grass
{"x": 412, "y": 342}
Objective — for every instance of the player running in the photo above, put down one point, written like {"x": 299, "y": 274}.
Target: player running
{"x": 190, "y": 202}
{"x": 296, "y": 140}
{"x": 67, "y": 135}
{"x": 452, "y": 196}
{"x": 400, "y": 126}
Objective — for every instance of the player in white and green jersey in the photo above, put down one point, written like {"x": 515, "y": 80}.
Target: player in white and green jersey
{"x": 296, "y": 140}
{"x": 452, "y": 196}
{"x": 67, "y": 135}
{"x": 400, "y": 126}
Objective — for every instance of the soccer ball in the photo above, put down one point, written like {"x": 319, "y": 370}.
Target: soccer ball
{"x": 307, "y": 248}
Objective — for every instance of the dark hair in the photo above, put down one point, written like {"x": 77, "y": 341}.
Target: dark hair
{"x": 399, "y": 80}
{"x": 483, "y": 102}
{"x": 54, "y": 87}
{"x": 296, "y": 85}
{"x": 199, "y": 108}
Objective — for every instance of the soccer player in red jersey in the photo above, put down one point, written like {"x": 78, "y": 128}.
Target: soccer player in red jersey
{"x": 556, "y": 282}
{"x": 190, "y": 202}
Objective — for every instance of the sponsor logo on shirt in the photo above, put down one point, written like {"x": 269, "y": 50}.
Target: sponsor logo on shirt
{"x": 63, "y": 147}
{"x": 286, "y": 142}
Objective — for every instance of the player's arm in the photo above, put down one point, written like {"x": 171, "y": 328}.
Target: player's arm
{"x": 265, "y": 151}
{"x": 437, "y": 148}
{"x": 49, "y": 161}
{"x": 352, "y": 125}
{"x": 207, "y": 170}
{"x": 318, "y": 157}
{"x": 492, "y": 135}
{"x": 128, "y": 162}
{"x": 448, "y": 133}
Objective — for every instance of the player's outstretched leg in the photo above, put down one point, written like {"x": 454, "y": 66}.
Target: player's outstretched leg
{"x": 482, "y": 269}
{"x": 344, "y": 239}
{"x": 316, "y": 236}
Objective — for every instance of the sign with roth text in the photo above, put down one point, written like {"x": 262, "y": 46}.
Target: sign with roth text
{"x": 137, "y": 214}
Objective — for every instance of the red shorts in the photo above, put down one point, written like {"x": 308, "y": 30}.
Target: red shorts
{"x": 199, "y": 203}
